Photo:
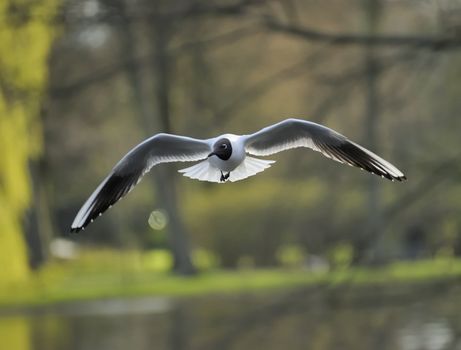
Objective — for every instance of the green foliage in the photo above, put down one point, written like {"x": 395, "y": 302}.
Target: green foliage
{"x": 110, "y": 273}
{"x": 341, "y": 256}
{"x": 291, "y": 256}
{"x": 205, "y": 260}
{"x": 24, "y": 47}
{"x": 158, "y": 260}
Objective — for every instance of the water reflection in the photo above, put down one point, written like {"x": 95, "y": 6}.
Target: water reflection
{"x": 296, "y": 320}
{"x": 432, "y": 335}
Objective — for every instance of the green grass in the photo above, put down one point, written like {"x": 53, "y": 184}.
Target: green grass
{"x": 129, "y": 274}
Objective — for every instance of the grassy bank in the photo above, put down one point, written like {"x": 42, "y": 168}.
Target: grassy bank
{"x": 129, "y": 275}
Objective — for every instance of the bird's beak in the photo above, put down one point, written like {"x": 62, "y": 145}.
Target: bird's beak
{"x": 211, "y": 154}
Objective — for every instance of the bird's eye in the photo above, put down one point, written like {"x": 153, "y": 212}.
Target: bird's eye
{"x": 224, "y": 146}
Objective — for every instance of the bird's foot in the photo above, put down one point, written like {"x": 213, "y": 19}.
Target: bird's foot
{"x": 224, "y": 177}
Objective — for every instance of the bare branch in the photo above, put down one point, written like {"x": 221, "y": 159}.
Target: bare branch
{"x": 106, "y": 73}
{"x": 416, "y": 42}
{"x": 191, "y": 10}
{"x": 440, "y": 173}
{"x": 344, "y": 82}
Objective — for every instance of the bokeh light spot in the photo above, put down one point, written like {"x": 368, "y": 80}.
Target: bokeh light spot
{"x": 158, "y": 219}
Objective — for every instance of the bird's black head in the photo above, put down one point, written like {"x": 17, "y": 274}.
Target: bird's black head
{"x": 222, "y": 149}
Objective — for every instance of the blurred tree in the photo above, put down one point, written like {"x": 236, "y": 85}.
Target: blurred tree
{"x": 25, "y": 40}
{"x": 166, "y": 183}
{"x": 194, "y": 68}
{"x": 372, "y": 9}
{"x": 152, "y": 107}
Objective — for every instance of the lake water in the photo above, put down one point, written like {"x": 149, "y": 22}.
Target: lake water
{"x": 325, "y": 318}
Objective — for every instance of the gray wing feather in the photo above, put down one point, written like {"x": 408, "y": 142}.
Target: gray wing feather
{"x": 293, "y": 133}
{"x": 161, "y": 148}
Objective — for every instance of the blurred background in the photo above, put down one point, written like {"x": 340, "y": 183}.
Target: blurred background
{"x": 310, "y": 254}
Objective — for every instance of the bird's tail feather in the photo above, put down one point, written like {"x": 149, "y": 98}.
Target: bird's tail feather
{"x": 249, "y": 167}
{"x": 204, "y": 171}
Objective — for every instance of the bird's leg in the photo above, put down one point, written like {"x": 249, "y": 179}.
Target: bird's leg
{"x": 224, "y": 177}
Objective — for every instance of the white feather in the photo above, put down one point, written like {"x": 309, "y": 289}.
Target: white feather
{"x": 249, "y": 167}
{"x": 204, "y": 171}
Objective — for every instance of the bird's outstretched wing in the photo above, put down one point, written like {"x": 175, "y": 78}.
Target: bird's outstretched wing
{"x": 161, "y": 148}
{"x": 293, "y": 133}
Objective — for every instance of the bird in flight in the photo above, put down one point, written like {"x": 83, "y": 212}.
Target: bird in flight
{"x": 227, "y": 158}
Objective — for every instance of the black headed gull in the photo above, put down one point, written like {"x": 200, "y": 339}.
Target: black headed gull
{"x": 227, "y": 158}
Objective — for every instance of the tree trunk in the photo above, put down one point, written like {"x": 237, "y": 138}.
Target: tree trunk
{"x": 155, "y": 118}
{"x": 37, "y": 222}
{"x": 166, "y": 184}
{"x": 369, "y": 250}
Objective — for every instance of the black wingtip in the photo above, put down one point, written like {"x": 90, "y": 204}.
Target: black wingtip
{"x": 113, "y": 189}
{"x": 353, "y": 154}
{"x": 400, "y": 178}
{"x": 394, "y": 178}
